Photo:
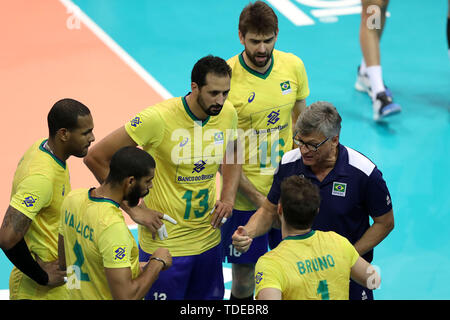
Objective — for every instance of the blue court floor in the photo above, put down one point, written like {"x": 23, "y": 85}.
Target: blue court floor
{"x": 411, "y": 149}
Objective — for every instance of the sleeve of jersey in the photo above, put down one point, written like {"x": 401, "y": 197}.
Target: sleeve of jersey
{"x": 303, "y": 87}
{"x": 32, "y": 195}
{"x": 115, "y": 246}
{"x": 267, "y": 275}
{"x": 349, "y": 250}
{"x": 146, "y": 128}
{"x": 378, "y": 198}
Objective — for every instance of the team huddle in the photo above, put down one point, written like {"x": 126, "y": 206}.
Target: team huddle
{"x": 286, "y": 184}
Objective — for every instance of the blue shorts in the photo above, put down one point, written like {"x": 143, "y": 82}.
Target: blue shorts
{"x": 197, "y": 277}
{"x": 259, "y": 245}
{"x": 358, "y": 292}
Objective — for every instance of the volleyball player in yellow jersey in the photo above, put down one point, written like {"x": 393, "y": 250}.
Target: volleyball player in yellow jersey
{"x": 268, "y": 90}
{"x": 100, "y": 253}
{"x": 189, "y": 137}
{"x": 309, "y": 264}
{"x": 41, "y": 182}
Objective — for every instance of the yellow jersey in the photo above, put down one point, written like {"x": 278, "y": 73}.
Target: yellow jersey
{"x": 264, "y": 104}
{"x": 96, "y": 236}
{"x": 314, "y": 266}
{"x": 41, "y": 182}
{"x": 188, "y": 153}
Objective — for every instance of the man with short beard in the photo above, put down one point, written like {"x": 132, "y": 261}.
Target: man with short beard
{"x": 189, "y": 137}
{"x": 95, "y": 244}
{"x": 268, "y": 90}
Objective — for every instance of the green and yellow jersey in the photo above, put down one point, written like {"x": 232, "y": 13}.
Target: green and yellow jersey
{"x": 96, "y": 236}
{"x": 264, "y": 104}
{"x": 40, "y": 184}
{"x": 188, "y": 153}
{"x": 313, "y": 266}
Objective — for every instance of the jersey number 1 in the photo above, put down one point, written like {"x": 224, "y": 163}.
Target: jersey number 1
{"x": 322, "y": 290}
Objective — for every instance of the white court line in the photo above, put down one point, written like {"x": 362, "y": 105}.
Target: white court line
{"x": 292, "y": 12}
{"x": 4, "y": 294}
{"x": 110, "y": 43}
{"x": 318, "y": 13}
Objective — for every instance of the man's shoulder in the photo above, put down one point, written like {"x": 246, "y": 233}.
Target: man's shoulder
{"x": 291, "y": 157}
{"x": 359, "y": 161}
{"x": 287, "y": 57}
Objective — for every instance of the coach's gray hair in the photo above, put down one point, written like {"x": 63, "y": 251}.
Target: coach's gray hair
{"x": 320, "y": 116}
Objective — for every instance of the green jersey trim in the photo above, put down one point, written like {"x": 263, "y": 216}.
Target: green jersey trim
{"x": 191, "y": 115}
{"x": 253, "y": 72}
{"x": 58, "y": 161}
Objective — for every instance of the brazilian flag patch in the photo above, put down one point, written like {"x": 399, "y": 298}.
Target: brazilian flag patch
{"x": 285, "y": 87}
{"x": 339, "y": 189}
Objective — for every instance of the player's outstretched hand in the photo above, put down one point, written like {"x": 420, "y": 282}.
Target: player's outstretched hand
{"x": 240, "y": 239}
{"x": 144, "y": 216}
{"x": 55, "y": 274}
{"x": 220, "y": 213}
{"x": 162, "y": 231}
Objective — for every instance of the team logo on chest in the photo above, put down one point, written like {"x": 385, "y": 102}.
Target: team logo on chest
{"x": 199, "y": 166}
{"x": 339, "y": 189}
{"x": 273, "y": 117}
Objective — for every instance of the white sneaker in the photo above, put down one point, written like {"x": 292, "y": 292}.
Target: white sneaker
{"x": 362, "y": 82}
{"x": 384, "y": 106}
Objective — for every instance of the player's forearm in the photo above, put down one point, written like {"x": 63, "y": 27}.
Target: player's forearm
{"x": 248, "y": 189}
{"x": 261, "y": 221}
{"x": 135, "y": 289}
{"x": 372, "y": 237}
{"x": 230, "y": 181}
{"x": 98, "y": 166}
{"x": 143, "y": 283}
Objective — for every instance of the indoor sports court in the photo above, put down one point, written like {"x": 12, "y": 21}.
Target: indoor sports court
{"x": 118, "y": 57}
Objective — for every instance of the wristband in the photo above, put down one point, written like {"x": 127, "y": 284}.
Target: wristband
{"x": 159, "y": 259}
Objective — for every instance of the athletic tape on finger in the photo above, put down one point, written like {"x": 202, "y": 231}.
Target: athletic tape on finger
{"x": 169, "y": 218}
{"x": 162, "y": 232}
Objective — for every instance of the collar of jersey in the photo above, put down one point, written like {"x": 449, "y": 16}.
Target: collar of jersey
{"x": 95, "y": 199}
{"x": 58, "y": 161}
{"x": 191, "y": 115}
{"x": 301, "y": 236}
{"x": 253, "y": 72}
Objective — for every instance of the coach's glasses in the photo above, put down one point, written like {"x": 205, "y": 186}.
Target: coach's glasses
{"x": 309, "y": 146}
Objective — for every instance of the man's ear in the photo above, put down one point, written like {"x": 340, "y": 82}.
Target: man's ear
{"x": 194, "y": 88}
{"x": 279, "y": 210}
{"x": 63, "y": 134}
{"x": 127, "y": 183}
{"x": 241, "y": 38}
{"x": 335, "y": 140}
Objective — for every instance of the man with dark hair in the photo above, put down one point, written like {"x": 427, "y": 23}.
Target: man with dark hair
{"x": 351, "y": 186}
{"x": 268, "y": 90}
{"x": 41, "y": 182}
{"x": 95, "y": 244}
{"x": 189, "y": 138}
{"x": 309, "y": 264}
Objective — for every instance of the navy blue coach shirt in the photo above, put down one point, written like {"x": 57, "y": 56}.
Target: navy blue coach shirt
{"x": 352, "y": 191}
